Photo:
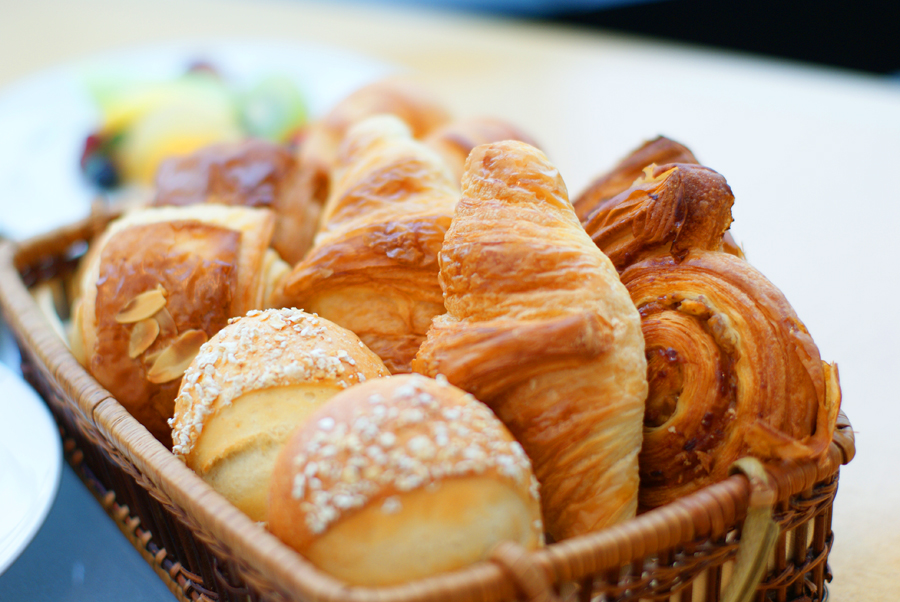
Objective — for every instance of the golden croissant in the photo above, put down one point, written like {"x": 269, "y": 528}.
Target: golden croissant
{"x": 373, "y": 268}
{"x": 318, "y": 153}
{"x": 539, "y": 327}
{"x": 732, "y": 369}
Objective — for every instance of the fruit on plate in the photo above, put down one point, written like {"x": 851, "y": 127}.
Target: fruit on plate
{"x": 142, "y": 123}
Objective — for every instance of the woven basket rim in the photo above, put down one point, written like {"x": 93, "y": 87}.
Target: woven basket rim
{"x": 256, "y": 550}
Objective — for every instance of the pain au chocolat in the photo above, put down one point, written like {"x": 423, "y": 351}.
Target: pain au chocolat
{"x": 732, "y": 369}
{"x": 156, "y": 285}
{"x": 373, "y": 268}
{"x": 250, "y": 386}
{"x": 401, "y": 478}
{"x": 539, "y": 327}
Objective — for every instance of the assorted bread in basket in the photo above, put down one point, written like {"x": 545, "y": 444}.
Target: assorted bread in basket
{"x": 572, "y": 364}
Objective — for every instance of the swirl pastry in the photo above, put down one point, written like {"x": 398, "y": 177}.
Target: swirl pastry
{"x": 455, "y": 140}
{"x": 252, "y": 173}
{"x": 540, "y": 328}
{"x": 250, "y": 386}
{"x": 156, "y": 285}
{"x": 731, "y": 368}
{"x": 732, "y": 372}
{"x": 401, "y": 478}
{"x": 373, "y": 268}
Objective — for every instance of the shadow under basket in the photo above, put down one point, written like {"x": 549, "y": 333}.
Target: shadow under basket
{"x": 206, "y": 549}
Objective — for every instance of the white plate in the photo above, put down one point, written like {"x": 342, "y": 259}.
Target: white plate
{"x": 30, "y": 465}
{"x": 46, "y": 117}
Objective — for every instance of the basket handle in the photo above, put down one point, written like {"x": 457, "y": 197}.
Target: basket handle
{"x": 530, "y": 579}
{"x": 759, "y": 535}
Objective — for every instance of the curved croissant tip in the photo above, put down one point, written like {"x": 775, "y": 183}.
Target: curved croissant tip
{"x": 512, "y": 163}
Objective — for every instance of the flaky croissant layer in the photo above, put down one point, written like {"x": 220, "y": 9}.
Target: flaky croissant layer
{"x": 539, "y": 327}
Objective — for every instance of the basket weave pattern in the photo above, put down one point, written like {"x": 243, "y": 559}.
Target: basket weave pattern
{"x": 205, "y": 549}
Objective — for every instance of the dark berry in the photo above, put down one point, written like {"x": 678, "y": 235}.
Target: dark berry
{"x": 101, "y": 172}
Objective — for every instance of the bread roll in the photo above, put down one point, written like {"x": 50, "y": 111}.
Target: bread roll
{"x": 252, "y": 173}
{"x": 540, "y": 328}
{"x": 373, "y": 268}
{"x": 401, "y": 478}
{"x": 250, "y": 386}
{"x": 156, "y": 285}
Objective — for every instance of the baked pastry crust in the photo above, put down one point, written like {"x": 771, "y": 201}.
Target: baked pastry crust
{"x": 455, "y": 140}
{"x": 401, "y": 478}
{"x": 732, "y": 371}
{"x": 539, "y": 327}
{"x": 250, "y": 173}
{"x": 157, "y": 284}
{"x": 318, "y": 153}
{"x": 373, "y": 268}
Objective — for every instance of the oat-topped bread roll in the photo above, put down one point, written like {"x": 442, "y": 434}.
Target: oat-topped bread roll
{"x": 250, "y": 386}
{"x": 319, "y": 149}
{"x": 252, "y": 173}
{"x": 455, "y": 140}
{"x": 156, "y": 285}
{"x": 539, "y": 327}
{"x": 401, "y": 478}
{"x": 373, "y": 268}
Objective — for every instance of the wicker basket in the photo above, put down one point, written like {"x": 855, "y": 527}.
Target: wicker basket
{"x": 205, "y": 549}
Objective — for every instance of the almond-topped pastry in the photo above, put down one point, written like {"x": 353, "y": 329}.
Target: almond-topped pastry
{"x": 373, "y": 268}
{"x": 156, "y": 285}
{"x": 401, "y": 478}
{"x": 539, "y": 327}
{"x": 250, "y": 386}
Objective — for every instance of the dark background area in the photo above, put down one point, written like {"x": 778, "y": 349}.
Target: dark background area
{"x": 855, "y": 35}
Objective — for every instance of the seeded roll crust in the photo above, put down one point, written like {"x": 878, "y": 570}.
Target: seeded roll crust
{"x": 540, "y": 328}
{"x": 250, "y": 386}
{"x": 401, "y": 478}
{"x": 155, "y": 286}
{"x": 373, "y": 268}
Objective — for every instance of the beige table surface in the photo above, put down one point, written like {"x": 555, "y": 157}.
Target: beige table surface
{"x": 812, "y": 155}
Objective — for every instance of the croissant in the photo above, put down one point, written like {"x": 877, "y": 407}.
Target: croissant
{"x": 373, "y": 269}
{"x": 731, "y": 368}
{"x": 253, "y": 173}
{"x": 318, "y": 153}
{"x": 540, "y": 328}
{"x": 620, "y": 185}
{"x": 156, "y": 285}
{"x": 455, "y": 140}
